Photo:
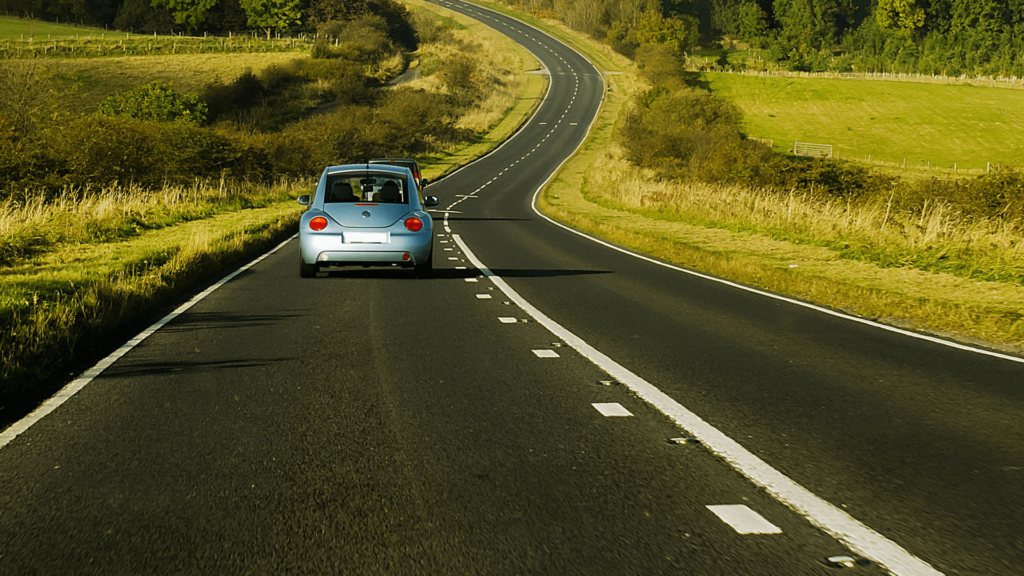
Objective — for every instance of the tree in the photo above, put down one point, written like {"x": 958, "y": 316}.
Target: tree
{"x": 272, "y": 15}
{"x": 654, "y": 28}
{"x": 811, "y": 25}
{"x": 899, "y": 15}
{"x": 189, "y": 13}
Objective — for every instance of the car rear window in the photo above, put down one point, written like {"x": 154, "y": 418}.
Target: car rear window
{"x": 366, "y": 187}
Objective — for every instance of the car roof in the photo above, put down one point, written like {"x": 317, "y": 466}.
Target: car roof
{"x": 389, "y": 159}
{"x": 367, "y": 167}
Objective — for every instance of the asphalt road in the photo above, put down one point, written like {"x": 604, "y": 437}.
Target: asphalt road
{"x": 367, "y": 422}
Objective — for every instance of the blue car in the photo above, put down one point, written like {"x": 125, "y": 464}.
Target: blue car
{"x": 366, "y": 215}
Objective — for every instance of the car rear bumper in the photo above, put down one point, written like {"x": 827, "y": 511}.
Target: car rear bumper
{"x": 328, "y": 249}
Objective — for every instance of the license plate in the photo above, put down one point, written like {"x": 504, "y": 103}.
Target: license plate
{"x": 366, "y": 237}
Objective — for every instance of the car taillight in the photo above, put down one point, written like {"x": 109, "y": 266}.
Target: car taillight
{"x": 414, "y": 224}
{"x": 318, "y": 223}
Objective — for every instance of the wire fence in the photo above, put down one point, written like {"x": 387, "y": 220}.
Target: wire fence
{"x": 964, "y": 80}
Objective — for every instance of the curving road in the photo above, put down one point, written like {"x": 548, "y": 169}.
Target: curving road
{"x": 509, "y": 416}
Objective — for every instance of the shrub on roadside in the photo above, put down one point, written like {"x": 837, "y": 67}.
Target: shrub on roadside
{"x": 99, "y": 150}
{"x": 431, "y": 30}
{"x": 405, "y": 122}
{"x": 155, "y": 101}
{"x": 242, "y": 92}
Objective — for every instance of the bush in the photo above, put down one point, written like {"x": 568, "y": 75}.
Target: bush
{"x": 691, "y": 133}
{"x": 241, "y": 93}
{"x": 100, "y": 150}
{"x": 346, "y": 80}
{"x": 665, "y": 129}
{"x": 155, "y": 101}
{"x": 364, "y": 40}
{"x": 433, "y": 31}
{"x": 663, "y": 65}
{"x": 462, "y": 78}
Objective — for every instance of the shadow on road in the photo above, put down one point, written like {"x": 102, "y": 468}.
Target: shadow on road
{"x": 448, "y": 273}
{"x": 221, "y": 320}
{"x": 464, "y": 219}
{"x": 130, "y": 370}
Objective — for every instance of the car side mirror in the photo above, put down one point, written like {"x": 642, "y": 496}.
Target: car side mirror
{"x": 304, "y": 200}
{"x": 430, "y": 201}
{"x": 423, "y": 183}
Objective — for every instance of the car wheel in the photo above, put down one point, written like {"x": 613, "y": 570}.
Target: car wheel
{"x": 426, "y": 270}
{"x": 306, "y": 270}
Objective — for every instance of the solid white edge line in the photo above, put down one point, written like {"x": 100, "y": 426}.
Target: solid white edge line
{"x": 830, "y": 519}
{"x": 76, "y": 385}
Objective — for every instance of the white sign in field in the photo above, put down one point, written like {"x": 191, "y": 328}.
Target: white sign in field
{"x": 817, "y": 150}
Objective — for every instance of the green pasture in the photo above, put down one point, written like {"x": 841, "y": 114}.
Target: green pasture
{"x": 23, "y": 29}
{"x": 934, "y": 125}
{"x": 89, "y": 80}
{"x": 22, "y": 39}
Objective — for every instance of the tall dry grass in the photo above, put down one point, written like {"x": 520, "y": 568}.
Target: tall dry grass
{"x": 937, "y": 238}
{"x": 496, "y": 65}
{"x": 116, "y": 212}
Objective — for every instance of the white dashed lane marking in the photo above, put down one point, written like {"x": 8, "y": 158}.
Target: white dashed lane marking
{"x": 506, "y": 320}
{"x": 611, "y": 409}
{"x": 483, "y": 296}
{"x": 546, "y": 353}
{"x": 744, "y": 520}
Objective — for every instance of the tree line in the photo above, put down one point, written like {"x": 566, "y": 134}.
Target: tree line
{"x": 944, "y": 37}
{"x": 216, "y": 16}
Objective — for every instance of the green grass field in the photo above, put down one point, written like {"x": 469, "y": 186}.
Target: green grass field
{"x": 891, "y": 121}
{"x": 23, "y": 29}
{"x": 21, "y": 39}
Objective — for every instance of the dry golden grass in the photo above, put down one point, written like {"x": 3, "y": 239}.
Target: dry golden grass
{"x": 500, "y": 63}
{"x": 119, "y": 212}
{"x": 800, "y": 216}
